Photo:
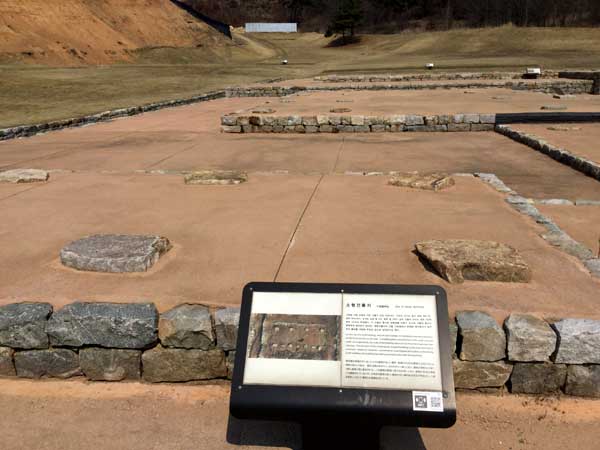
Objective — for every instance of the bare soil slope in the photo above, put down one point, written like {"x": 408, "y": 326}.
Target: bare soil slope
{"x": 74, "y": 32}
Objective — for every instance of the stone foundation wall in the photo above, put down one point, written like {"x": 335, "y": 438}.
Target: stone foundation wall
{"x": 114, "y": 342}
{"x": 554, "y": 86}
{"x": 376, "y": 78}
{"x": 357, "y": 123}
{"x": 579, "y": 163}
{"x": 584, "y": 75}
{"x": 31, "y": 130}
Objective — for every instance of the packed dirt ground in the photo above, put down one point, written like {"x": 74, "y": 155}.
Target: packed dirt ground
{"x": 72, "y": 415}
{"x": 306, "y": 214}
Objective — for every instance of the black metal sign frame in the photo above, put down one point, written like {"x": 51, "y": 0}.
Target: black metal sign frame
{"x": 369, "y": 406}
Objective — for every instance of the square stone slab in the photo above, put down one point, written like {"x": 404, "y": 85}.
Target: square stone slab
{"x": 216, "y": 177}
{"x": 458, "y": 260}
{"x": 114, "y": 253}
{"x": 431, "y": 182}
{"x": 24, "y": 176}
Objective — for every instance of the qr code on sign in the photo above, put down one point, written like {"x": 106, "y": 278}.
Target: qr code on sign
{"x": 428, "y": 401}
{"x": 421, "y": 401}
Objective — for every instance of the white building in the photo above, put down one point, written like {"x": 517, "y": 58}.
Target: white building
{"x": 258, "y": 27}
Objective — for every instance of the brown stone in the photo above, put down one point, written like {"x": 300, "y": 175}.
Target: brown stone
{"x": 457, "y": 260}
{"x": 7, "y": 366}
{"x": 219, "y": 177}
{"x": 415, "y": 180}
{"x": 475, "y": 374}
{"x": 263, "y": 111}
{"x": 176, "y": 364}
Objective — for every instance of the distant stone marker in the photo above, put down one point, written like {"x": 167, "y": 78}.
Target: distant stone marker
{"x": 114, "y": 253}
{"x": 263, "y": 111}
{"x": 24, "y": 176}
{"x": 563, "y": 128}
{"x": 458, "y": 260}
{"x": 431, "y": 182}
{"x": 340, "y": 110}
{"x": 216, "y": 177}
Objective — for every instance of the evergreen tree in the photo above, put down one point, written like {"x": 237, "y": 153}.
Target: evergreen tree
{"x": 347, "y": 17}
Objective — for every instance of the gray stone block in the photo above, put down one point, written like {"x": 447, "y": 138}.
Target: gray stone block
{"x": 578, "y": 341}
{"x": 477, "y": 374}
{"x": 568, "y": 245}
{"x": 226, "y": 327}
{"x": 529, "y": 338}
{"x": 57, "y": 363}
{"x": 357, "y": 120}
{"x": 538, "y": 378}
{"x": 229, "y": 120}
{"x": 186, "y": 326}
{"x": 487, "y": 118}
{"x": 471, "y": 118}
{"x": 109, "y": 364}
{"x": 177, "y": 365}
{"x": 23, "y": 176}
{"x": 309, "y": 120}
{"x": 23, "y": 325}
{"x": 459, "y": 127}
{"x": 482, "y": 127}
{"x": 482, "y": 339}
{"x": 7, "y": 366}
{"x": 110, "y": 325}
{"x": 457, "y": 260}
{"x": 583, "y": 381}
{"x": 412, "y": 120}
{"x": 231, "y": 129}
{"x": 453, "y": 336}
{"x": 230, "y": 363}
{"x": 114, "y": 253}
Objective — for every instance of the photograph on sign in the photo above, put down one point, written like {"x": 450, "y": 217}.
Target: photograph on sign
{"x": 367, "y": 341}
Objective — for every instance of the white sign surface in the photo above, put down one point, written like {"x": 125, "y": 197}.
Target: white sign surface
{"x": 382, "y": 341}
{"x": 390, "y": 342}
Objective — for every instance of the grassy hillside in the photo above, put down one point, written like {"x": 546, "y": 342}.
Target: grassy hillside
{"x": 34, "y": 93}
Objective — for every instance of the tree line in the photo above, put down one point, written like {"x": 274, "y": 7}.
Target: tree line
{"x": 397, "y": 15}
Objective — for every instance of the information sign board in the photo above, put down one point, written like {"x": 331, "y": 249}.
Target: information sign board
{"x": 377, "y": 353}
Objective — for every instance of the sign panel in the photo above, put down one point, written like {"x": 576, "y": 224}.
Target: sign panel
{"x": 377, "y": 341}
{"x": 377, "y": 353}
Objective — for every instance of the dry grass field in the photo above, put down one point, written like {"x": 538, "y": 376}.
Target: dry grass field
{"x": 31, "y": 93}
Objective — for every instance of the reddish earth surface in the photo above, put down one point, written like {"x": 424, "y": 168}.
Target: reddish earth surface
{"x": 301, "y": 217}
{"x": 440, "y": 101}
{"x": 75, "y": 415}
{"x": 67, "y": 32}
{"x": 578, "y": 138}
{"x": 580, "y": 222}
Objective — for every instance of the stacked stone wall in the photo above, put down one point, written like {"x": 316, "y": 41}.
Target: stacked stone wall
{"x": 357, "y": 123}
{"x": 31, "y": 130}
{"x": 578, "y": 163}
{"x": 115, "y": 342}
{"x": 553, "y": 86}
{"x": 584, "y": 75}
{"x": 431, "y": 76}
